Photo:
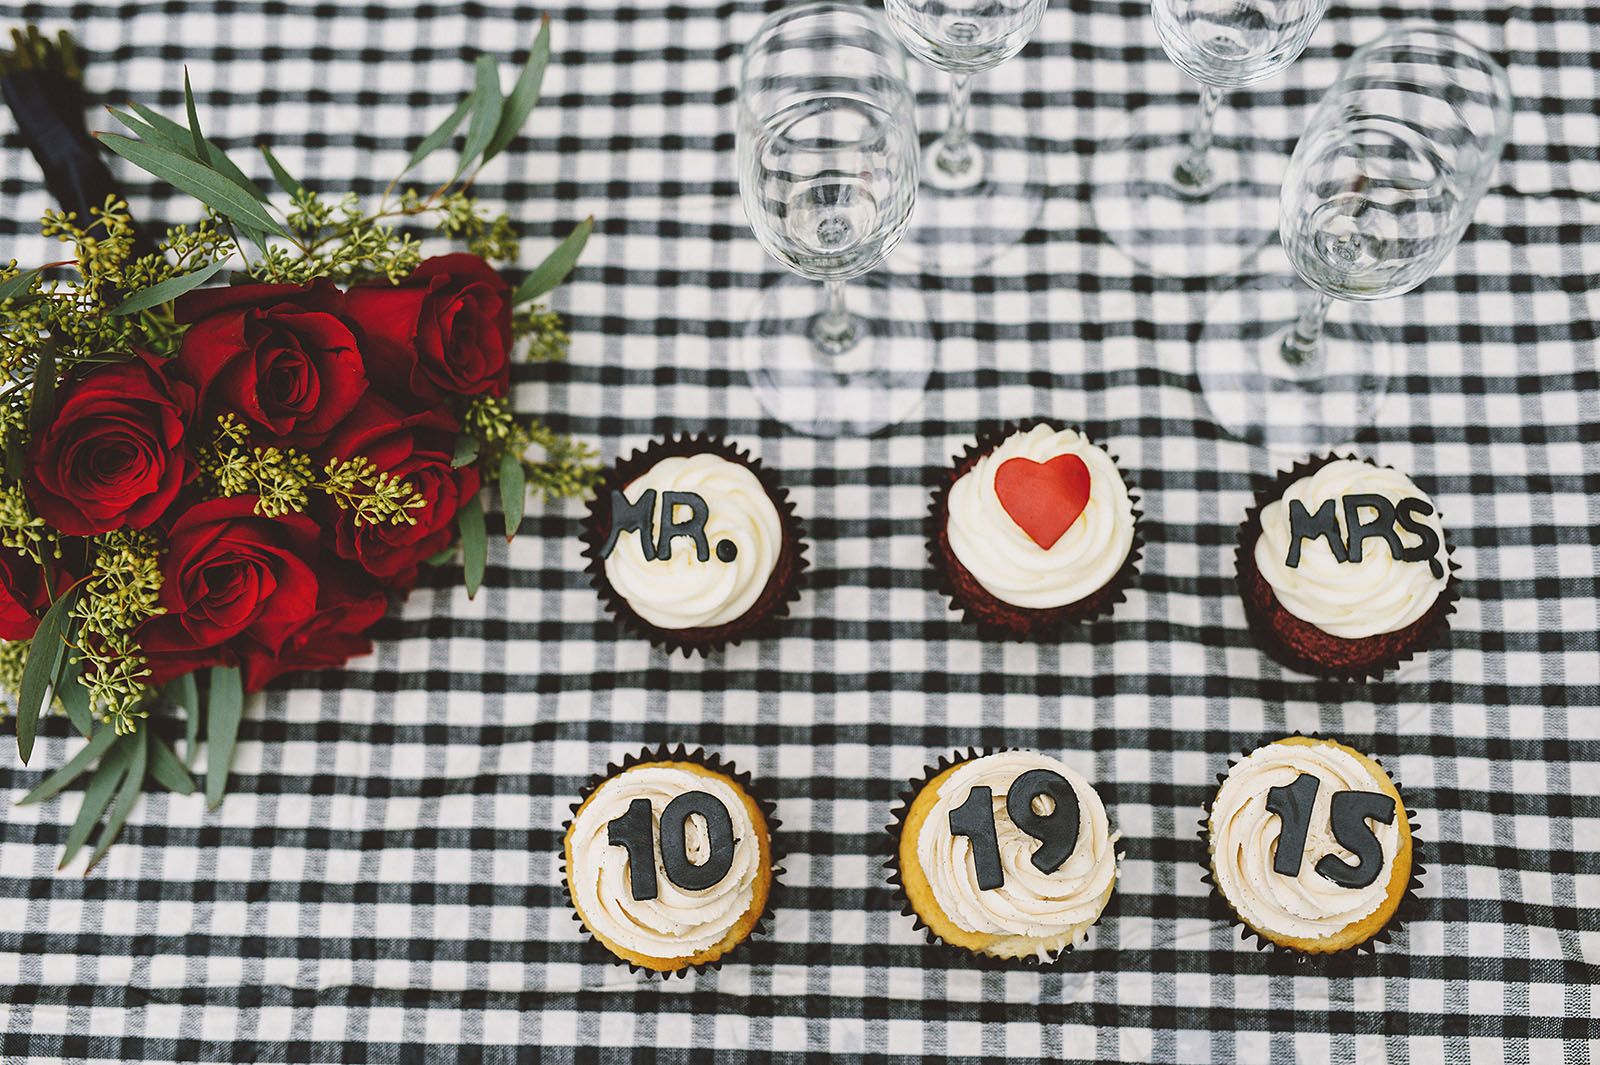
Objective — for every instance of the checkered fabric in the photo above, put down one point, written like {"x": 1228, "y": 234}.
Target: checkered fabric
{"x": 383, "y": 883}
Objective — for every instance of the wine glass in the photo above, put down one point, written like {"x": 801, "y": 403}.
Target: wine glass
{"x": 1198, "y": 203}
{"x": 982, "y": 187}
{"x": 827, "y": 157}
{"x": 1379, "y": 190}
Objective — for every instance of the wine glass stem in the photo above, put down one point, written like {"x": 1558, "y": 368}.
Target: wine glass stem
{"x": 957, "y": 155}
{"x": 1194, "y": 170}
{"x": 833, "y": 329}
{"x": 1300, "y": 346}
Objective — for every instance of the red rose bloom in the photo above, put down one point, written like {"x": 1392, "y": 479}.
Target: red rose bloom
{"x": 229, "y": 573}
{"x": 282, "y": 357}
{"x": 415, "y": 448}
{"x": 347, "y": 606}
{"x": 446, "y": 330}
{"x": 23, "y": 599}
{"x": 114, "y": 453}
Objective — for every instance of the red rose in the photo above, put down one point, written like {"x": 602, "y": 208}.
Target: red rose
{"x": 114, "y": 453}
{"x": 415, "y": 448}
{"x": 229, "y": 573}
{"x": 23, "y": 599}
{"x": 446, "y": 330}
{"x": 282, "y": 357}
{"x": 347, "y": 606}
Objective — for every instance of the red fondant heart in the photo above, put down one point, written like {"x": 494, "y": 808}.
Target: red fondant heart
{"x": 1044, "y": 498}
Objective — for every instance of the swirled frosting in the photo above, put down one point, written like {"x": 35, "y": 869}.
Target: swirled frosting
{"x": 677, "y": 923}
{"x": 1006, "y": 561}
{"x": 682, "y": 592}
{"x": 1036, "y": 912}
{"x": 1244, "y": 844}
{"x": 1351, "y": 600}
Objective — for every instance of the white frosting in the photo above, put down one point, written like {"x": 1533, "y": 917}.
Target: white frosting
{"x": 1244, "y": 844}
{"x": 1036, "y": 912}
{"x": 1006, "y": 561}
{"x": 677, "y": 923}
{"x": 682, "y": 592}
{"x": 1352, "y": 600}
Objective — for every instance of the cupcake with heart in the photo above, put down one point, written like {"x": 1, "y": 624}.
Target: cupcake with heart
{"x": 1344, "y": 570}
{"x": 694, "y": 545}
{"x": 1034, "y": 530}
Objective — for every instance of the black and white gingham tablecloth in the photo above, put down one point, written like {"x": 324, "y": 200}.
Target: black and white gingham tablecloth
{"x": 383, "y": 883}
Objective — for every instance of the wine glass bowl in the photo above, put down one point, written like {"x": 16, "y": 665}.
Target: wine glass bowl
{"x": 827, "y": 158}
{"x": 1234, "y": 43}
{"x": 965, "y": 36}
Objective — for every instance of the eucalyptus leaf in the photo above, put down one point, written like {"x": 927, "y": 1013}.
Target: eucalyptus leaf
{"x": 143, "y": 130}
{"x": 200, "y": 151}
{"x": 285, "y": 181}
{"x": 74, "y": 696}
{"x": 486, "y": 107}
{"x": 435, "y": 140}
{"x": 198, "y": 180}
{"x": 439, "y": 558}
{"x": 474, "y": 545}
{"x": 173, "y": 137}
{"x": 524, "y": 94}
{"x": 466, "y": 450}
{"x": 12, "y": 287}
{"x": 97, "y": 745}
{"x": 42, "y": 400}
{"x": 167, "y": 290}
{"x": 132, "y": 786}
{"x": 186, "y": 693}
{"x": 167, "y": 769}
{"x": 97, "y": 796}
{"x": 556, "y": 266}
{"x": 513, "y": 492}
{"x": 224, "y": 707}
{"x": 43, "y": 666}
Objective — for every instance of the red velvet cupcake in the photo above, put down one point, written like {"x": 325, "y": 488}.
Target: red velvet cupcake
{"x": 1033, "y": 531}
{"x": 693, "y": 544}
{"x": 1344, "y": 570}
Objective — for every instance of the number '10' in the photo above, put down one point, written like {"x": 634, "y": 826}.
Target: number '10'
{"x": 634, "y": 829}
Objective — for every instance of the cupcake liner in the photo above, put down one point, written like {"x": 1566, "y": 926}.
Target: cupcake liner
{"x": 712, "y": 762}
{"x": 890, "y": 848}
{"x": 995, "y": 618}
{"x": 783, "y": 586}
{"x": 1222, "y": 909}
{"x": 1301, "y": 645}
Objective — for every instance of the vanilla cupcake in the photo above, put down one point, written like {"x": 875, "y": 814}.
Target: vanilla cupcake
{"x": 1008, "y": 855}
{"x": 1033, "y": 530}
{"x": 1344, "y": 570}
{"x": 669, "y": 860}
{"x": 1310, "y": 845}
{"x": 693, "y": 545}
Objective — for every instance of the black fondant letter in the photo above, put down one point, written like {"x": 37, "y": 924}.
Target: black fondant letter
{"x": 694, "y": 528}
{"x": 1303, "y": 526}
{"x": 675, "y": 841}
{"x": 1056, "y": 831}
{"x": 1292, "y": 803}
{"x": 1381, "y": 526}
{"x": 1428, "y": 549}
{"x": 975, "y": 820}
{"x": 631, "y": 517}
{"x": 633, "y": 831}
{"x": 1348, "y": 814}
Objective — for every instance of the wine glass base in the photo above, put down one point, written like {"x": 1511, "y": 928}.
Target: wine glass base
{"x": 963, "y": 221}
{"x": 1200, "y": 229}
{"x": 1260, "y": 398}
{"x": 878, "y": 381}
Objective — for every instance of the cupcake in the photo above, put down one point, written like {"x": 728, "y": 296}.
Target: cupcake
{"x": 669, "y": 860}
{"x": 1344, "y": 570}
{"x": 693, "y": 545}
{"x": 1033, "y": 530}
{"x": 1310, "y": 845}
{"x": 1007, "y": 855}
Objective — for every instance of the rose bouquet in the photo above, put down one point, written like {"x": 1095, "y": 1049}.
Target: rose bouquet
{"x": 206, "y": 486}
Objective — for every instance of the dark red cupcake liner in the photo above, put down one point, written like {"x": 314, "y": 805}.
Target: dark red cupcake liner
{"x": 890, "y": 847}
{"x": 783, "y": 585}
{"x": 699, "y": 756}
{"x": 995, "y": 618}
{"x": 1222, "y": 909}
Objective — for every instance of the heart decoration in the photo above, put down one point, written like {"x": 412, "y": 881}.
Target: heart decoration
{"x": 1043, "y": 498}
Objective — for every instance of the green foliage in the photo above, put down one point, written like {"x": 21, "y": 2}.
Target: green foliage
{"x": 121, "y": 594}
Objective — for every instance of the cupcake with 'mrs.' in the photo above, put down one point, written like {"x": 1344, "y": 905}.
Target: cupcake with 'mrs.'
{"x": 1034, "y": 529}
{"x": 669, "y": 860}
{"x": 1344, "y": 570}
{"x": 1008, "y": 855}
{"x": 1310, "y": 846}
{"x": 694, "y": 545}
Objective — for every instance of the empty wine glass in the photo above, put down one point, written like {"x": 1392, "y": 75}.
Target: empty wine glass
{"x": 1199, "y": 202}
{"x": 827, "y": 157}
{"x": 982, "y": 187}
{"x": 1382, "y": 185}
